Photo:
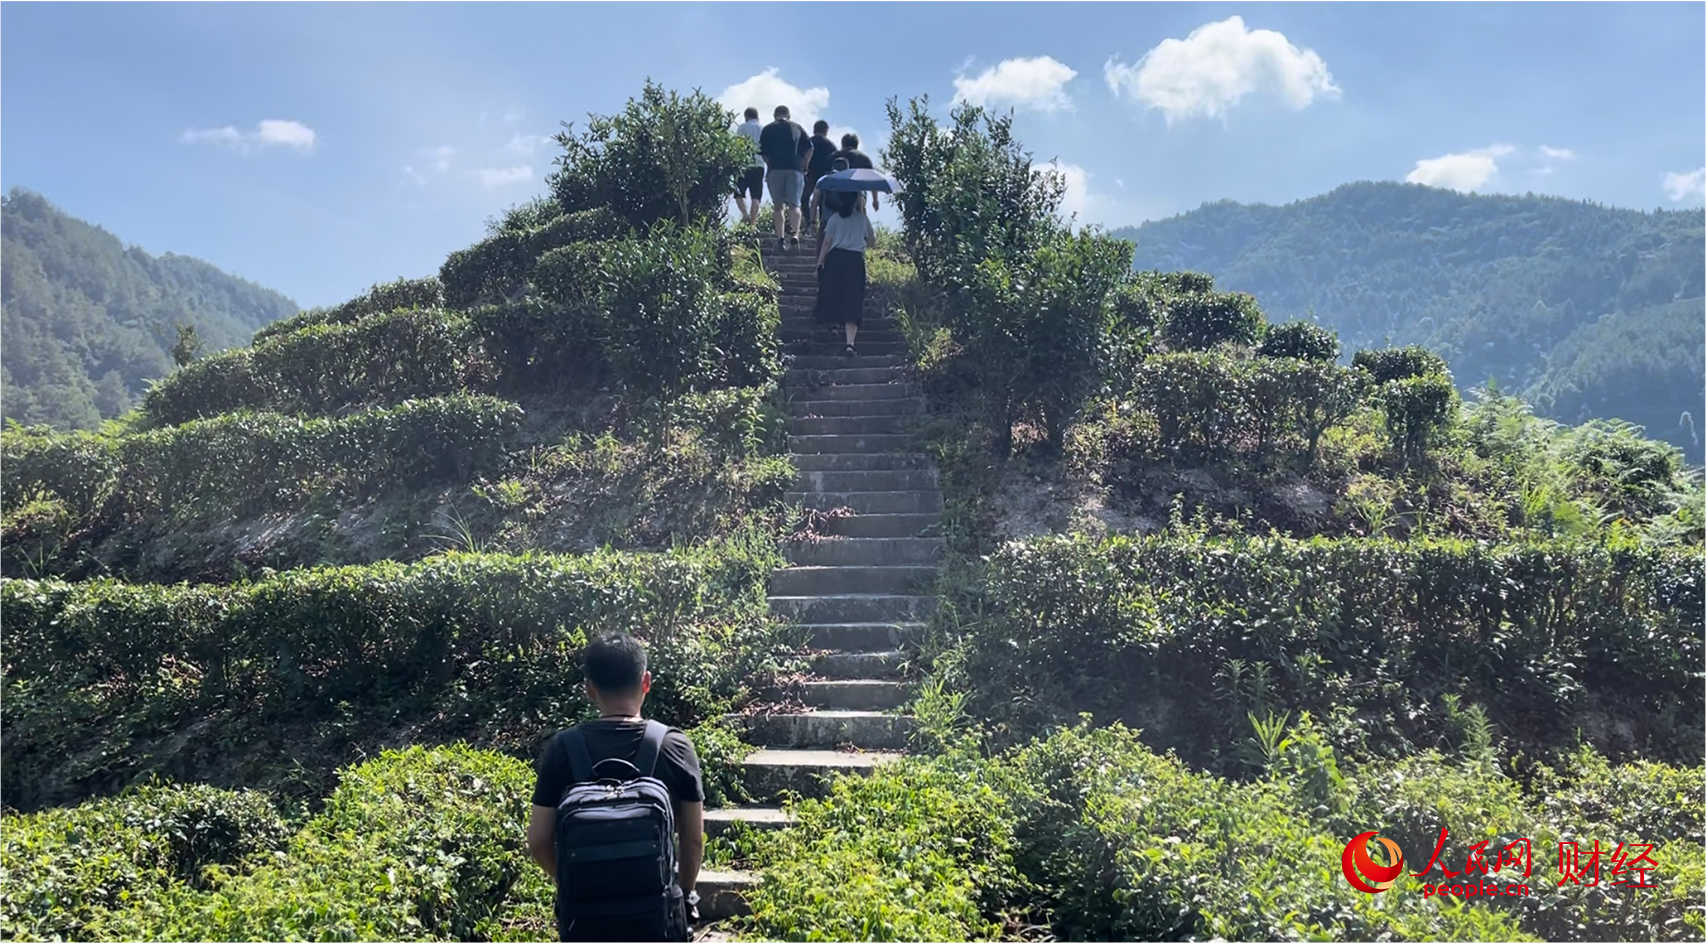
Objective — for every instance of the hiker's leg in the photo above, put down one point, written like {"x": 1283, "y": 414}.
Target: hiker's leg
{"x": 852, "y": 330}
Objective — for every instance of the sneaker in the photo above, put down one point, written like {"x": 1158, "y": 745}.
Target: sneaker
{"x": 849, "y": 352}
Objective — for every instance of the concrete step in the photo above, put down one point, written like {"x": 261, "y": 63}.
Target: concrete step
{"x": 768, "y": 774}
{"x": 853, "y": 551}
{"x": 870, "y": 502}
{"x": 759, "y": 817}
{"x": 875, "y": 461}
{"x": 857, "y": 392}
{"x": 885, "y": 525}
{"x": 853, "y": 607}
{"x": 840, "y": 362}
{"x": 867, "y": 730}
{"x": 856, "y": 695}
{"x": 842, "y": 444}
{"x": 868, "y": 332}
{"x": 843, "y": 375}
{"x": 887, "y": 406}
{"x": 722, "y": 894}
{"x": 860, "y": 666}
{"x": 922, "y": 479}
{"x": 855, "y": 637}
{"x": 847, "y": 580}
{"x": 846, "y": 425}
{"x": 825, "y": 346}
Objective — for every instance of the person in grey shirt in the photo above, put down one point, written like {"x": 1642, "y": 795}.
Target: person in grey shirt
{"x": 847, "y": 233}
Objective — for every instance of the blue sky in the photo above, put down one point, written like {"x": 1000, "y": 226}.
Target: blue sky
{"x": 319, "y": 148}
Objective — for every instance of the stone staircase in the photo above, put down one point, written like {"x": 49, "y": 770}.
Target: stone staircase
{"x": 860, "y": 596}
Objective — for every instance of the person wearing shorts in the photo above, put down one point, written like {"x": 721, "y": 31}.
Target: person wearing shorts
{"x": 750, "y": 182}
{"x": 787, "y": 151}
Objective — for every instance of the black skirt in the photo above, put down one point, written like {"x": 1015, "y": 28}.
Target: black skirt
{"x": 841, "y": 288}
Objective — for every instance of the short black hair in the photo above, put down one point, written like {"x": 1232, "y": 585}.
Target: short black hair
{"x": 820, "y": 126}
{"x": 752, "y": 113}
{"x": 615, "y": 662}
{"x": 781, "y": 111}
{"x": 850, "y": 141}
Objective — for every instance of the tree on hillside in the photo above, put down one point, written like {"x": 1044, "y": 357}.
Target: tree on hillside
{"x": 1027, "y": 298}
{"x": 664, "y": 156}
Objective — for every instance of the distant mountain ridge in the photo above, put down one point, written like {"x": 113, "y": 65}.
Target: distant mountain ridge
{"x": 88, "y": 322}
{"x": 1585, "y": 310}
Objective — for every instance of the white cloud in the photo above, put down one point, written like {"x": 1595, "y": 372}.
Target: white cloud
{"x": 1557, "y": 153}
{"x": 413, "y": 177}
{"x": 766, "y": 90}
{"x": 527, "y": 145}
{"x": 1208, "y": 72}
{"x": 1038, "y": 83}
{"x": 1466, "y": 171}
{"x": 440, "y": 157}
{"x": 1680, "y": 187}
{"x": 1077, "y": 200}
{"x": 494, "y": 177}
{"x": 269, "y": 133}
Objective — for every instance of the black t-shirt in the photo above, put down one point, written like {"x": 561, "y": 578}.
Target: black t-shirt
{"x": 783, "y": 143}
{"x": 823, "y": 155}
{"x": 856, "y": 159}
{"x": 678, "y": 765}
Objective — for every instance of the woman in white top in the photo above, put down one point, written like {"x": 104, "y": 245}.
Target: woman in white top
{"x": 847, "y": 233}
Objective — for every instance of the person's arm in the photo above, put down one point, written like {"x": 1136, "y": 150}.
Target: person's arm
{"x": 690, "y": 831}
{"x": 542, "y": 839}
{"x": 823, "y": 245}
{"x": 870, "y": 233}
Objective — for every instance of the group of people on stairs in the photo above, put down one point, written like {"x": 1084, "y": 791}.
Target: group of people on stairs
{"x": 791, "y": 163}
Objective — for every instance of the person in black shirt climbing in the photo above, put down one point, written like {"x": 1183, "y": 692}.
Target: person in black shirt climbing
{"x": 856, "y": 160}
{"x": 617, "y": 681}
{"x": 823, "y": 156}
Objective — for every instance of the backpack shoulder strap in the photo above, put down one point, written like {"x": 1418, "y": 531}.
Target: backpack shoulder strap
{"x": 580, "y": 761}
{"x": 647, "y": 761}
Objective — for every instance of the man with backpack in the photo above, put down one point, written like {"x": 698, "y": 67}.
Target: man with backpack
{"x": 615, "y": 800}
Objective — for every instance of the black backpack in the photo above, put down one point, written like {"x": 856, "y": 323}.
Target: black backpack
{"x": 616, "y": 873}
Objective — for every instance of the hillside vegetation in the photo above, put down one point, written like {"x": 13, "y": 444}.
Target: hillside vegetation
{"x": 1221, "y": 595}
{"x": 89, "y": 323}
{"x": 1585, "y": 310}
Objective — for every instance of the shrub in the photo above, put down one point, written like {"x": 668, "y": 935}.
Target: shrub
{"x": 1419, "y": 411}
{"x": 63, "y": 869}
{"x": 402, "y": 294}
{"x": 665, "y": 156}
{"x": 919, "y": 850}
{"x": 1124, "y": 844}
{"x": 1399, "y": 363}
{"x": 489, "y": 271}
{"x": 74, "y": 467}
{"x": 381, "y": 359}
{"x": 1301, "y": 340}
{"x": 253, "y": 461}
{"x": 1198, "y": 321}
{"x": 484, "y": 647}
{"x": 1123, "y": 627}
{"x": 418, "y": 844}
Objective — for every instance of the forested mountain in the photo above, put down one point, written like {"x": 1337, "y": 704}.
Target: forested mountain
{"x": 1585, "y": 310}
{"x": 87, "y": 322}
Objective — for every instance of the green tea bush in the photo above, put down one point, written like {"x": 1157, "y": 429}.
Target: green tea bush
{"x": 1419, "y": 412}
{"x": 919, "y": 850}
{"x": 1301, "y": 340}
{"x": 464, "y": 645}
{"x": 62, "y": 869}
{"x": 402, "y": 294}
{"x": 535, "y": 344}
{"x": 379, "y": 360}
{"x": 1399, "y": 363}
{"x": 75, "y": 467}
{"x": 1199, "y": 321}
{"x": 1209, "y": 404}
{"x": 1164, "y": 631}
{"x": 1123, "y": 844}
{"x": 419, "y": 844}
{"x": 245, "y": 462}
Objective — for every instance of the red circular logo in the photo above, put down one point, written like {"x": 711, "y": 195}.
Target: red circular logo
{"x": 1361, "y": 869}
